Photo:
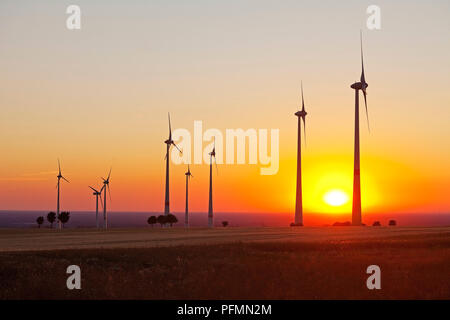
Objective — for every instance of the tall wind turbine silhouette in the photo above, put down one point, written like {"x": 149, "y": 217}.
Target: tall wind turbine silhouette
{"x": 361, "y": 85}
{"x": 186, "y": 214}
{"x": 105, "y": 186}
{"x": 298, "y": 197}
{"x": 169, "y": 142}
{"x": 59, "y": 176}
{"x": 210, "y": 207}
{"x": 97, "y": 194}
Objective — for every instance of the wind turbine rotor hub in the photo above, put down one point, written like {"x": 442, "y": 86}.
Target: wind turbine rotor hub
{"x": 357, "y": 86}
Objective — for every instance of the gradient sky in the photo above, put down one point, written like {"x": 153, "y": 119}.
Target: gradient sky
{"x": 99, "y": 96}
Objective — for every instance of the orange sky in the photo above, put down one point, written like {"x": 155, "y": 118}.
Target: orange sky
{"x": 99, "y": 97}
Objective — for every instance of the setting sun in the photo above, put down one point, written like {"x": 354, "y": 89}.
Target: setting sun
{"x": 335, "y": 198}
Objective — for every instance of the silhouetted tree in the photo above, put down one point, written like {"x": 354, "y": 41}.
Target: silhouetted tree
{"x": 40, "y": 220}
{"x": 392, "y": 222}
{"x": 161, "y": 220}
{"x": 376, "y": 224}
{"x": 152, "y": 221}
{"x": 64, "y": 217}
{"x": 171, "y": 219}
{"x": 51, "y": 217}
{"x": 224, "y": 223}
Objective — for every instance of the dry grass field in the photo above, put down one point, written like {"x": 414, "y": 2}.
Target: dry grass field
{"x": 51, "y": 239}
{"x": 234, "y": 263}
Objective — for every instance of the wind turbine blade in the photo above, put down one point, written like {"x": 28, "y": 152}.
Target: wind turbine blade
{"x": 304, "y": 129}
{"x": 177, "y": 147}
{"x": 59, "y": 167}
{"x": 363, "y": 79}
{"x": 109, "y": 193}
{"x": 65, "y": 179}
{"x": 109, "y": 174}
{"x": 303, "y": 101}
{"x": 93, "y": 189}
{"x": 103, "y": 187}
{"x": 367, "y": 112}
{"x": 170, "y": 127}
{"x": 101, "y": 201}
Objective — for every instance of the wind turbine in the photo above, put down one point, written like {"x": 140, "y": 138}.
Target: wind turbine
{"x": 105, "y": 186}
{"x": 361, "y": 85}
{"x": 210, "y": 207}
{"x": 169, "y": 142}
{"x": 186, "y": 215}
{"x": 97, "y": 194}
{"x": 298, "y": 197}
{"x": 59, "y": 176}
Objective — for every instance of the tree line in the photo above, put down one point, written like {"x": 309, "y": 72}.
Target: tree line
{"x": 169, "y": 219}
{"x": 63, "y": 217}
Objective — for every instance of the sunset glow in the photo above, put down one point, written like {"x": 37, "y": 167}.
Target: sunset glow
{"x": 99, "y": 97}
{"x": 335, "y": 198}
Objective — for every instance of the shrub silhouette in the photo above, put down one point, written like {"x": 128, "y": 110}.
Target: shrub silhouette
{"x": 40, "y": 220}
{"x": 51, "y": 217}
{"x": 64, "y": 217}
{"x": 171, "y": 219}
{"x": 392, "y": 222}
{"x": 225, "y": 223}
{"x": 152, "y": 221}
{"x": 376, "y": 224}
{"x": 342, "y": 224}
{"x": 162, "y": 220}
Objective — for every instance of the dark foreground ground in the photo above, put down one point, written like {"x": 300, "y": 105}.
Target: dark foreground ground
{"x": 412, "y": 267}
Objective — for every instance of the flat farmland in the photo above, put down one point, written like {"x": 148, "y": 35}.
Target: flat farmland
{"x": 52, "y": 239}
{"x": 226, "y": 263}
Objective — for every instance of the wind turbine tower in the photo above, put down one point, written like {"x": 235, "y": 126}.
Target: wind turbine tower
{"x": 186, "y": 214}
{"x": 210, "y": 207}
{"x": 97, "y": 194}
{"x": 169, "y": 142}
{"x": 357, "y": 86}
{"x": 105, "y": 186}
{"x": 298, "y": 197}
{"x": 59, "y": 176}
